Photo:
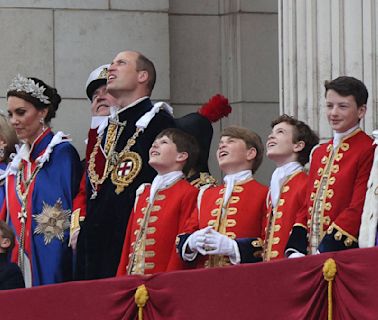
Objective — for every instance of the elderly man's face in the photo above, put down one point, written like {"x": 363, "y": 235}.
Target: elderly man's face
{"x": 102, "y": 101}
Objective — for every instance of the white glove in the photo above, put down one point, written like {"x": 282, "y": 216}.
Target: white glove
{"x": 296, "y": 255}
{"x": 196, "y": 240}
{"x": 217, "y": 243}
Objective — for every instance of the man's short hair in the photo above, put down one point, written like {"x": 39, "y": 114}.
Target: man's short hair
{"x": 7, "y": 233}
{"x": 184, "y": 143}
{"x": 301, "y": 132}
{"x": 251, "y": 139}
{"x": 145, "y": 64}
{"x": 348, "y": 86}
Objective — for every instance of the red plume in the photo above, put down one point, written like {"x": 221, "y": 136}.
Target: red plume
{"x": 216, "y": 108}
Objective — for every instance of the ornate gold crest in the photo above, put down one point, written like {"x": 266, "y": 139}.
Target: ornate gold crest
{"x": 126, "y": 170}
{"x": 52, "y": 221}
{"x": 103, "y": 74}
{"x": 204, "y": 179}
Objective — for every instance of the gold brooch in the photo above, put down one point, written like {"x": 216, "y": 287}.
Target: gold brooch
{"x": 126, "y": 170}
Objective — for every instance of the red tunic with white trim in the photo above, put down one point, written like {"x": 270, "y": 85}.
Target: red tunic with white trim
{"x": 243, "y": 218}
{"x": 335, "y": 193}
{"x": 280, "y": 220}
{"x": 149, "y": 245}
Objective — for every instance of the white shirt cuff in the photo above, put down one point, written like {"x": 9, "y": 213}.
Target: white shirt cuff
{"x": 187, "y": 256}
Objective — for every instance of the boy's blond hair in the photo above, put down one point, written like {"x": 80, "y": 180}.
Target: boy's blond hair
{"x": 251, "y": 139}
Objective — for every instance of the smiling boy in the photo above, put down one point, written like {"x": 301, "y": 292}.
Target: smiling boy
{"x": 161, "y": 208}
{"x": 331, "y": 216}
{"x": 220, "y": 230}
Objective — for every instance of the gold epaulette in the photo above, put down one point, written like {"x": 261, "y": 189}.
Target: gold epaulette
{"x": 204, "y": 179}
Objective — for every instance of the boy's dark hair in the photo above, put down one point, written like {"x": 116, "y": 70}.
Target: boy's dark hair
{"x": 301, "y": 132}
{"x": 7, "y": 233}
{"x": 348, "y": 86}
{"x": 184, "y": 143}
{"x": 251, "y": 139}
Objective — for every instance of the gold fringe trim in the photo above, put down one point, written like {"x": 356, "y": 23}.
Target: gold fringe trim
{"x": 141, "y": 298}
{"x": 329, "y": 272}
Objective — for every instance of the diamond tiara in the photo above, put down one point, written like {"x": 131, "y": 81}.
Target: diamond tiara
{"x": 29, "y": 86}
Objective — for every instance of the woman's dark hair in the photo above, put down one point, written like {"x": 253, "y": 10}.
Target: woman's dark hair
{"x": 50, "y": 92}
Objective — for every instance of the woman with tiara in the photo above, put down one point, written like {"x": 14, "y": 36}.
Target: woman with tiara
{"x": 41, "y": 182}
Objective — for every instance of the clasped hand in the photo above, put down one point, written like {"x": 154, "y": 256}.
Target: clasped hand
{"x": 209, "y": 241}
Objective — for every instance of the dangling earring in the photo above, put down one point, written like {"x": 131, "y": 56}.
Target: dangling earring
{"x": 42, "y": 121}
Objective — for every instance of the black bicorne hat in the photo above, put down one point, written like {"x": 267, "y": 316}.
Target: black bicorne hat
{"x": 198, "y": 124}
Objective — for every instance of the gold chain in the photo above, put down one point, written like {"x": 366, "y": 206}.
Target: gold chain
{"x": 112, "y": 158}
{"x": 23, "y": 214}
{"x": 111, "y": 140}
{"x": 23, "y": 195}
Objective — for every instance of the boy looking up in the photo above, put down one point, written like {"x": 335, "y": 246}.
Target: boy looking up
{"x": 289, "y": 146}
{"x": 161, "y": 208}
{"x": 219, "y": 231}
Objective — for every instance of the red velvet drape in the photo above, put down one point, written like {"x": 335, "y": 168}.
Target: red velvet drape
{"x": 287, "y": 289}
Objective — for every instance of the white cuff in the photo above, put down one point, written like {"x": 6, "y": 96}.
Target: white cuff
{"x": 235, "y": 258}
{"x": 97, "y": 120}
{"x": 290, "y": 251}
{"x": 296, "y": 255}
{"x": 187, "y": 256}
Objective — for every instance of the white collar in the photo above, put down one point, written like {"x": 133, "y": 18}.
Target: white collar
{"x": 23, "y": 153}
{"x": 163, "y": 181}
{"x": 375, "y": 135}
{"x": 96, "y": 121}
{"x": 143, "y": 121}
{"x": 131, "y": 104}
{"x": 338, "y": 136}
{"x": 231, "y": 179}
{"x": 279, "y": 176}
{"x": 101, "y": 122}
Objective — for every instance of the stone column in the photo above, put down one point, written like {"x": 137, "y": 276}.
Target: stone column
{"x": 230, "y": 47}
{"x": 321, "y": 40}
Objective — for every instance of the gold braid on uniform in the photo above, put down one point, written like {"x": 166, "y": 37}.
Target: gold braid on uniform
{"x": 203, "y": 180}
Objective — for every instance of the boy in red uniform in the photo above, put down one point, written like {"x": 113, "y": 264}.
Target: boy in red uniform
{"x": 289, "y": 146}
{"x": 161, "y": 208}
{"x": 339, "y": 171}
{"x": 220, "y": 230}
